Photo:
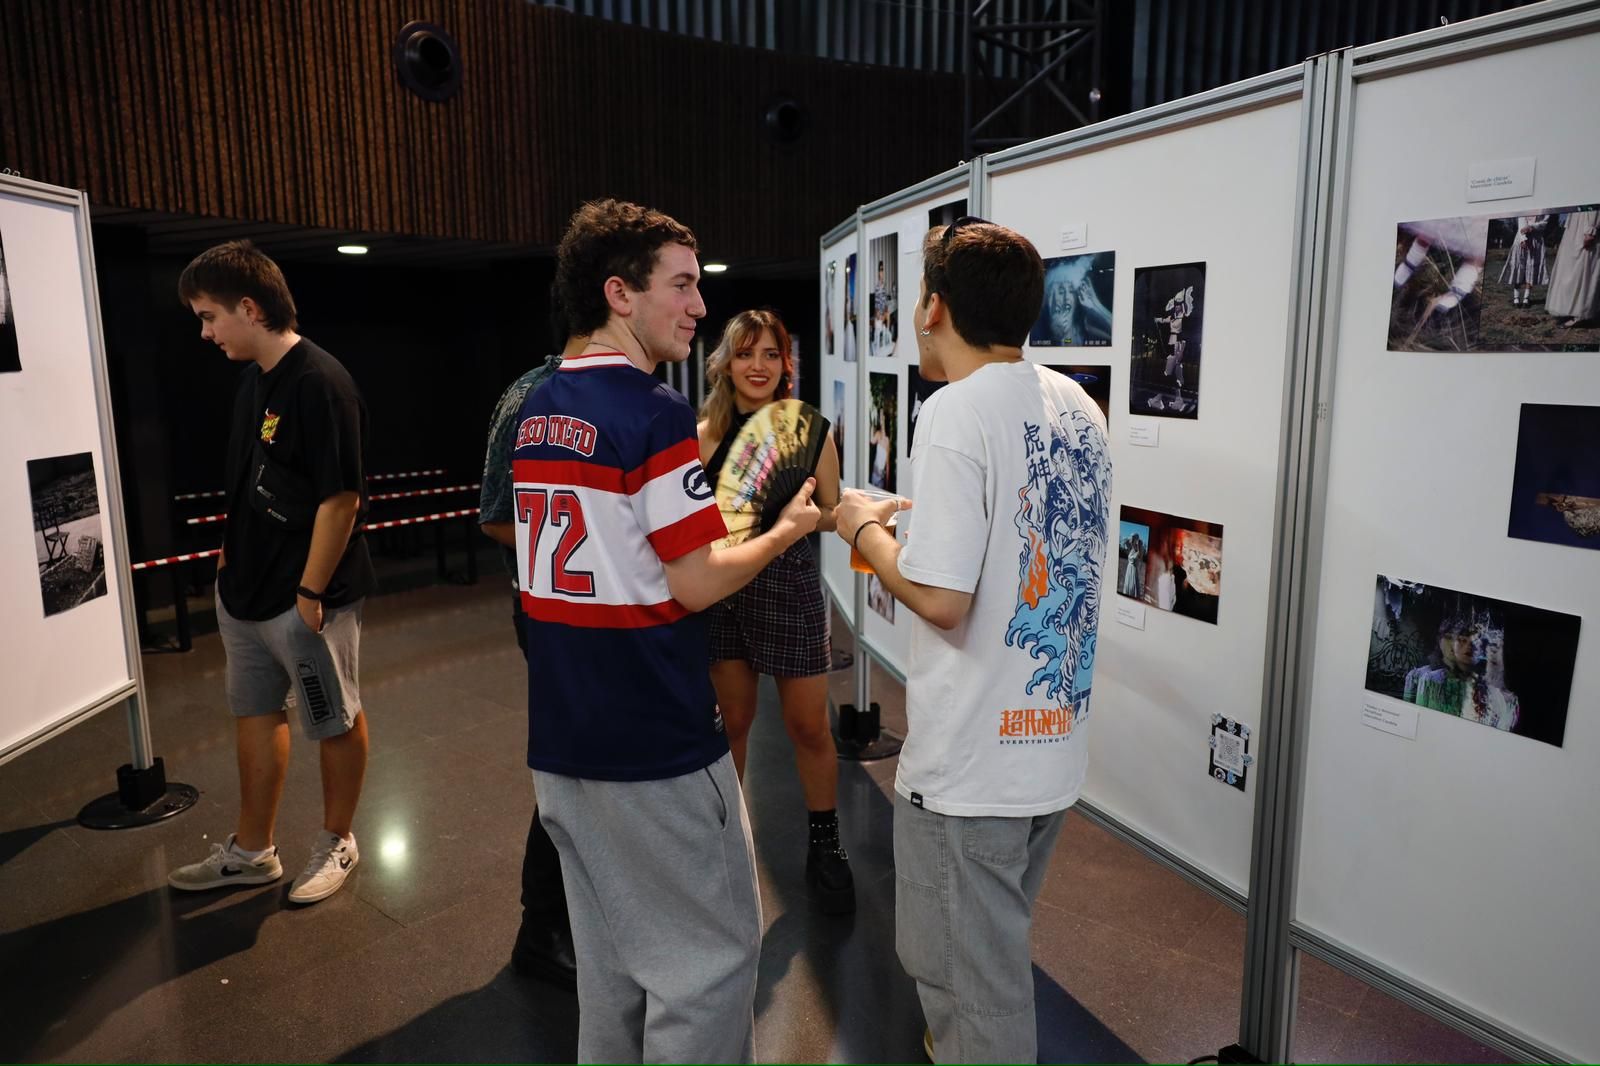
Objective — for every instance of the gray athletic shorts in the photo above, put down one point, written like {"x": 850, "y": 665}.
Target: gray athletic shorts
{"x": 279, "y": 664}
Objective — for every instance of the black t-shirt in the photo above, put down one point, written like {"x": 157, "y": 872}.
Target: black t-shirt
{"x": 311, "y": 419}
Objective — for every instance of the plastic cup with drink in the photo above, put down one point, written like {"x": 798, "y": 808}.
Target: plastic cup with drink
{"x": 858, "y": 562}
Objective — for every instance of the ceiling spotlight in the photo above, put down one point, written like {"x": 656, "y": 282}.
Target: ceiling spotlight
{"x": 353, "y": 249}
{"x": 715, "y": 268}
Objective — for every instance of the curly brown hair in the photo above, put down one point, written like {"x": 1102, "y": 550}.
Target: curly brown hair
{"x": 227, "y": 273}
{"x": 606, "y": 239}
{"x": 991, "y": 278}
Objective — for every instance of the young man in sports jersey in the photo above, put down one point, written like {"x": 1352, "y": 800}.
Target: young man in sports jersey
{"x": 614, "y": 526}
{"x": 294, "y": 570}
{"x": 1002, "y": 568}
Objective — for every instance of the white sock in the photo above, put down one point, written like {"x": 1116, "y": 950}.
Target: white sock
{"x": 251, "y": 856}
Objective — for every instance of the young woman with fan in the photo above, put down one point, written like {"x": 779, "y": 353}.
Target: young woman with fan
{"x": 758, "y": 445}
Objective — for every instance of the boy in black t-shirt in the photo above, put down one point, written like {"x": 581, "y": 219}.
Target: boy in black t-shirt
{"x": 294, "y": 570}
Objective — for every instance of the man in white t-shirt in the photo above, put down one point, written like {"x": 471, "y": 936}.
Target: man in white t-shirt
{"x": 1003, "y": 564}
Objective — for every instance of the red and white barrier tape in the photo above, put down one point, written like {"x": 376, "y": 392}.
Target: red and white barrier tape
{"x": 377, "y": 497}
{"x": 393, "y": 523}
{"x": 169, "y": 560}
{"x": 408, "y": 493}
{"x": 221, "y": 493}
{"x": 409, "y": 473}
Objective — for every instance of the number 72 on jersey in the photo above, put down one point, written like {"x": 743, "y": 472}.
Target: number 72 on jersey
{"x": 538, "y": 508}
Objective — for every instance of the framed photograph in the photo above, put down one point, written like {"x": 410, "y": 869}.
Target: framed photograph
{"x": 850, "y": 308}
{"x": 880, "y": 599}
{"x": 1079, "y": 292}
{"x": 1096, "y": 381}
{"x": 827, "y": 307}
{"x": 919, "y": 389}
{"x": 1500, "y": 664}
{"x": 883, "y": 331}
{"x": 1169, "y": 313}
{"x": 840, "y": 415}
{"x": 66, "y": 531}
{"x": 1170, "y": 563}
{"x": 1555, "y": 490}
{"x": 946, "y": 214}
{"x": 1498, "y": 283}
{"x": 10, "y": 358}
{"x": 883, "y": 431}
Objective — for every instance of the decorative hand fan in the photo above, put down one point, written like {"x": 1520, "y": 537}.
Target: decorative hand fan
{"x": 768, "y": 462}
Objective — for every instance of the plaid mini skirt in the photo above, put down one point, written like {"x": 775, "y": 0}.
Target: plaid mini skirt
{"x": 779, "y": 622}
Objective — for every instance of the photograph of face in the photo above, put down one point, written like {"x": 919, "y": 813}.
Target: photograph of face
{"x": 1182, "y": 565}
{"x": 839, "y": 416}
{"x": 10, "y": 361}
{"x": 1555, "y": 489}
{"x": 1133, "y": 547}
{"x": 1096, "y": 381}
{"x": 1541, "y": 277}
{"x": 827, "y": 307}
{"x": 850, "y": 308}
{"x": 66, "y": 531}
{"x": 884, "y": 329}
{"x": 1500, "y": 664}
{"x": 1168, "y": 323}
{"x": 882, "y": 428}
{"x": 919, "y": 388}
{"x": 1078, "y": 296}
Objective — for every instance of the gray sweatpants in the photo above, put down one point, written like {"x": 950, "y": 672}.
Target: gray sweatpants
{"x": 963, "y": 901}
{"x": 666, "y": 919}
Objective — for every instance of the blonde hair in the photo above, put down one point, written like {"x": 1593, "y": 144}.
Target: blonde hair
{"x": 742, "y": 331}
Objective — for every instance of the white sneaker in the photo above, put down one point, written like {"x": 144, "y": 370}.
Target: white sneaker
{"x": 1155, "y": 403}
{"x": 332, "y": 859}
{"x": 225, "y": 866}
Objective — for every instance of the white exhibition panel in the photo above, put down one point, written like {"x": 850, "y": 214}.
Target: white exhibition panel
{"x": 1465, "y": 859}
{"x": 890, "y": 640}
{"x": 59, "y": 665}
{"x": 1220, "y": 192}
{"x": 835, "y": 371}
{"x": 909, "y": 225}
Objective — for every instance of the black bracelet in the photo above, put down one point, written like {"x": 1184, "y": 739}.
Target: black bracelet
{"x": 855, "y": 545}
{"x": 308, "y": 594}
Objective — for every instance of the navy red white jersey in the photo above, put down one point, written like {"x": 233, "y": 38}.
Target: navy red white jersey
{"x": 607, "y": 489}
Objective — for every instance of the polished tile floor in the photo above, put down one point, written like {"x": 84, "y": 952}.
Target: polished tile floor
{"x": 102, "y": 962}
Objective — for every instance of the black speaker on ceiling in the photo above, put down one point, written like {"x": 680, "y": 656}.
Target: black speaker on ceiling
{"x": 785, "y": 120}
{"x": 428, "y": 61}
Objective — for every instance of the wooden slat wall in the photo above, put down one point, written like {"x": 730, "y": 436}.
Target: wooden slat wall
{"x": 291, "y": 112}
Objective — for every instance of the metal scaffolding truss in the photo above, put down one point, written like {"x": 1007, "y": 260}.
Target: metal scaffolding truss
{"x": 1032, "y": 68}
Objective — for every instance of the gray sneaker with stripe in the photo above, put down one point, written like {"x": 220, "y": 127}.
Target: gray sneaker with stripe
{"x": 225, "y": 866}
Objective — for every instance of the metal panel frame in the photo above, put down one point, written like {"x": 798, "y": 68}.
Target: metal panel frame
{"x": 1325, "y": 85}
{"x": 1265, "y": 90}
{"x": 957, "y": 178}
{"x": 1271, "y": 969}
{"x": 1270, "y": 977}
{"x": 1191, "y": 110}
{"x": 132, "y": 690}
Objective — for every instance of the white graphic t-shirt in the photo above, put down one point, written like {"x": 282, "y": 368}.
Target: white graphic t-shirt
{"x": 1011, "y": 480}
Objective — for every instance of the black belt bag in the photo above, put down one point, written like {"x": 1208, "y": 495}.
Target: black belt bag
{"x": 278, "y": 494}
